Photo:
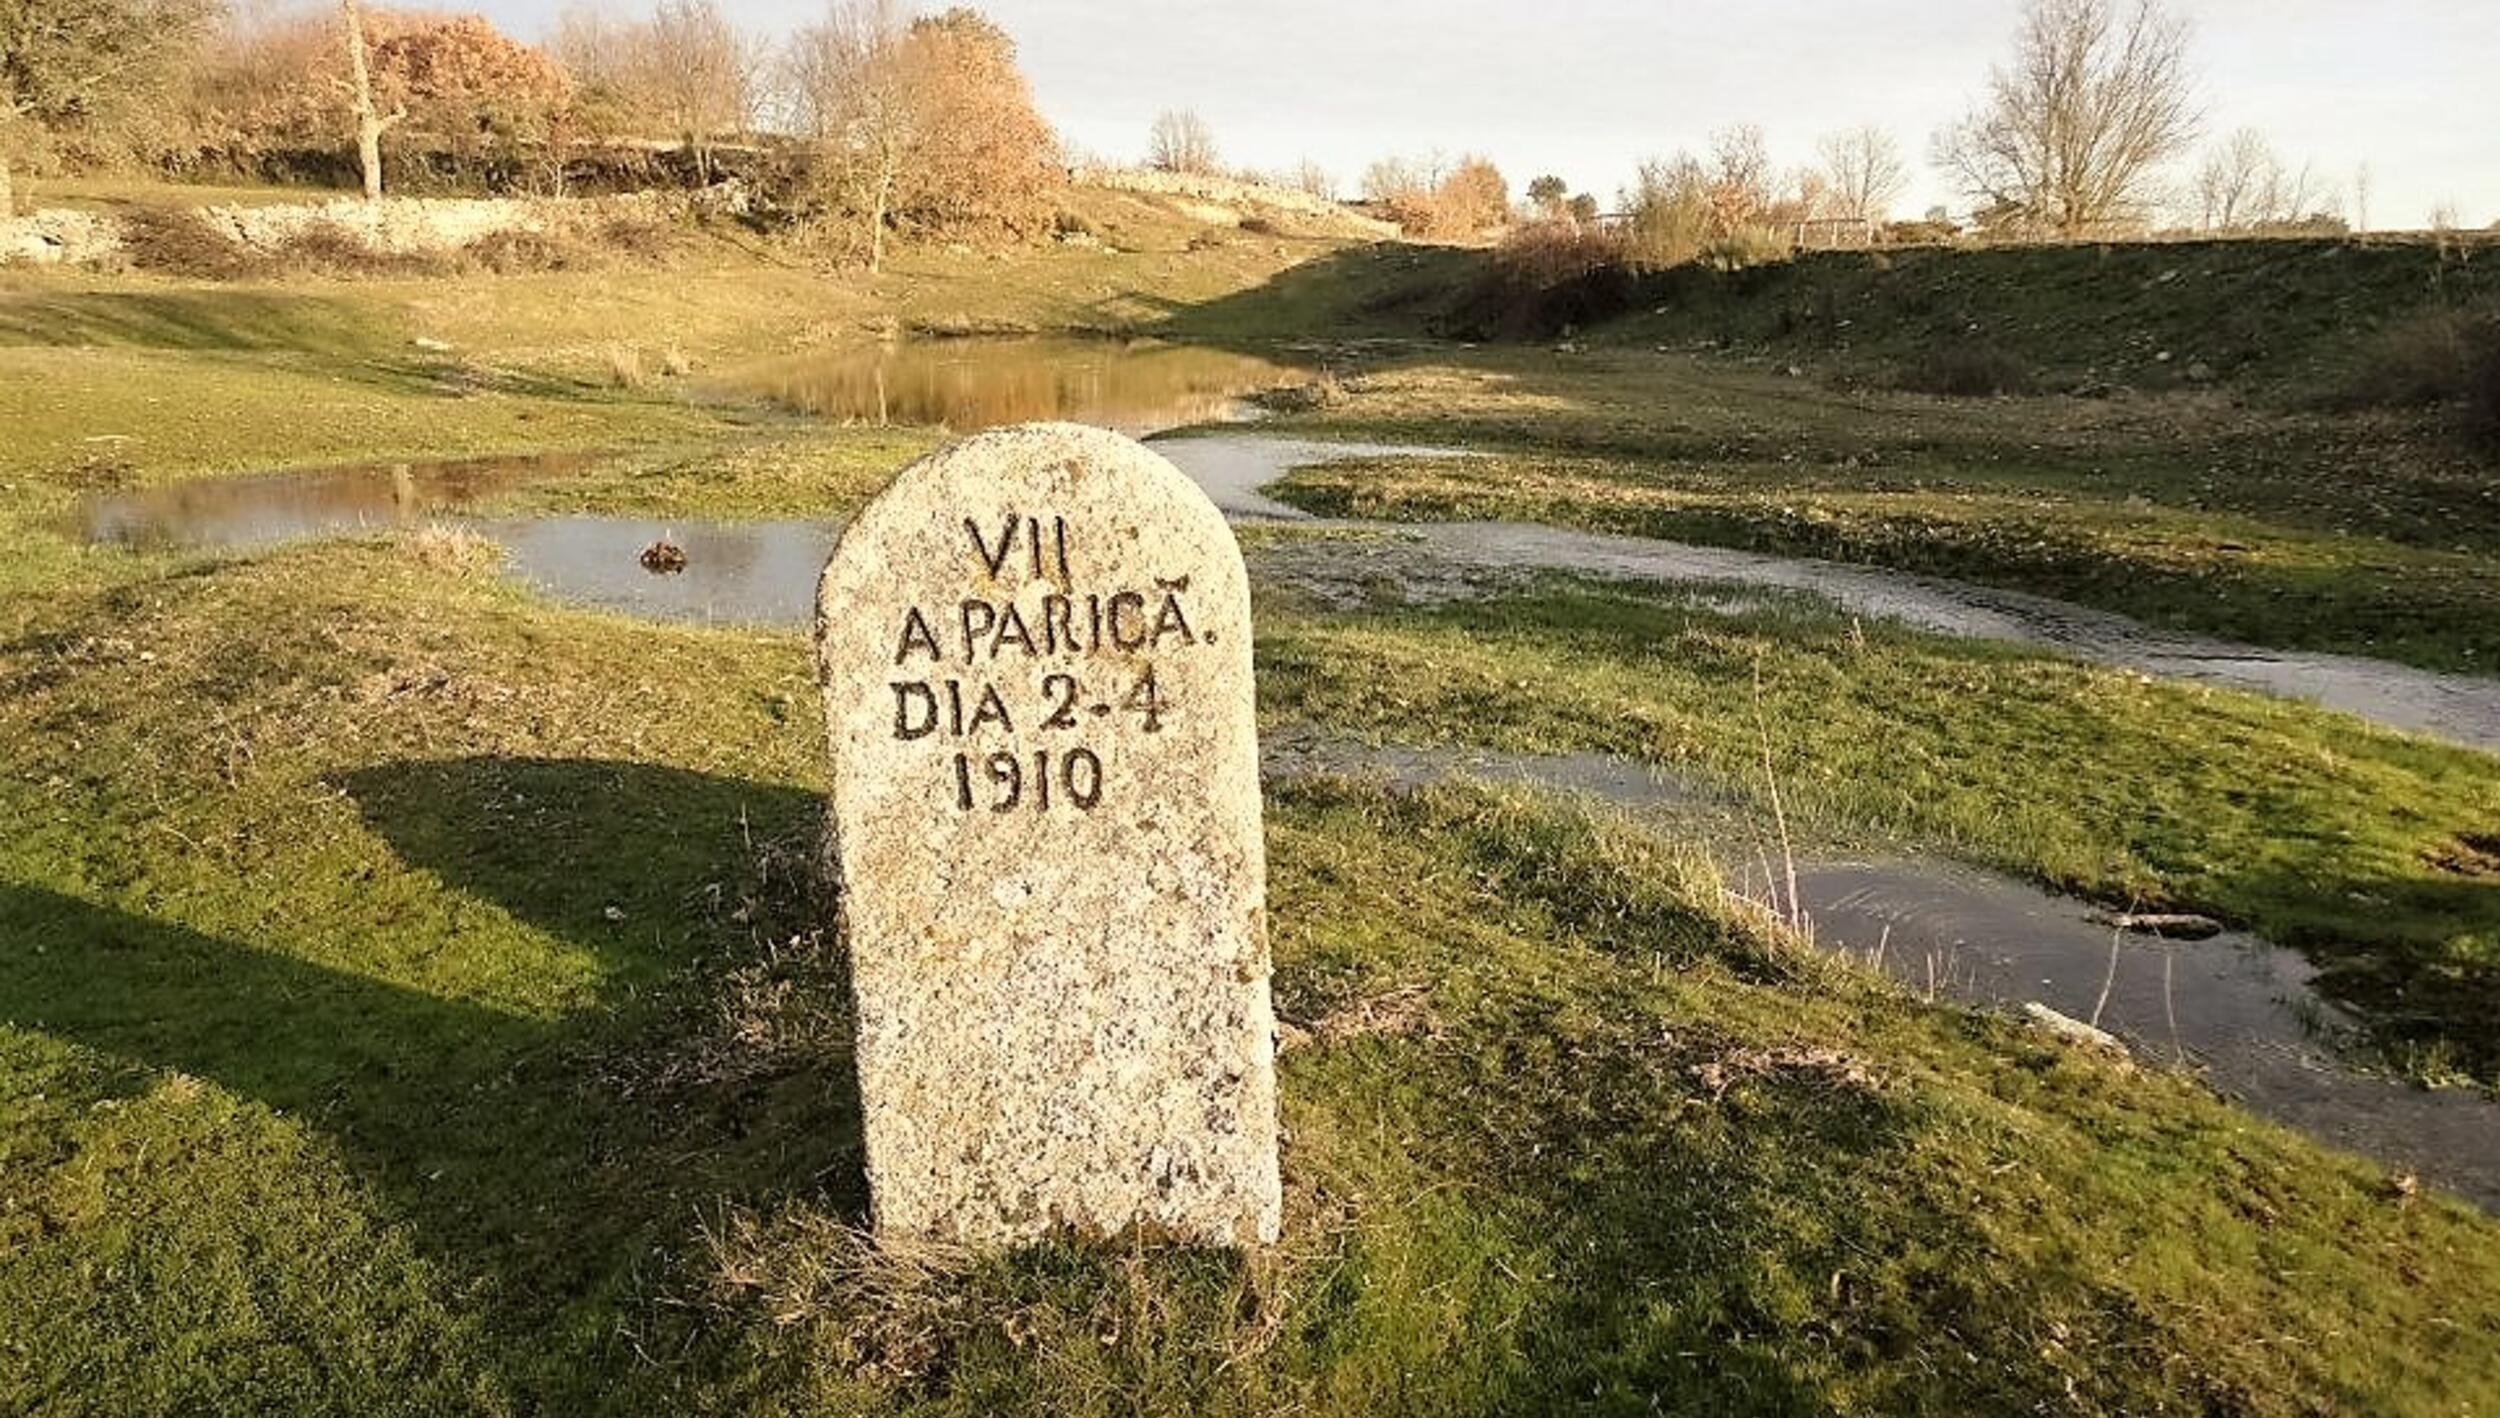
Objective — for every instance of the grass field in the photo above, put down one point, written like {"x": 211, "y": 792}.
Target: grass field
{"x": 412, "y": 1000}
{"x": 415, "y": 1004}
{"x": 2372, "y": 534}
{"x": 2319, "y": 832}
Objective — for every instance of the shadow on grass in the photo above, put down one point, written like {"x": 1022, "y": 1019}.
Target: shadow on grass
{"x": 549, "y": 1160}
{"x": 195, "y": 320}
{"x": 335, "y": 337}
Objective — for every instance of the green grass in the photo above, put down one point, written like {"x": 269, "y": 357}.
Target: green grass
{"x": 411, "y": 999}
{"x": 2285, "y": 320}
{"x": 2363, "y": 534}
{"x": 2311, "y": 828}
{"x": 412, "y": 1002}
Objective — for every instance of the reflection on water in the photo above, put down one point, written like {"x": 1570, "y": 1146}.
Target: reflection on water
{"x": 276, "y": 507}
{"x": 749, "y": 573}
{"x": 1134, "y": 386}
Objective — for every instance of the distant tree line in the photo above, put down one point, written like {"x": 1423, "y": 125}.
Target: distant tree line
{"x": 867, "y": 123}
{"x": 873, "y": 121}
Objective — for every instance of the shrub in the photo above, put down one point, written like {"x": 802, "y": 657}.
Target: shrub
{"x": 1968, "y": 369}
{"x": 1426, "y": 199}
{"x": 1544, "y": 278}
{"x": 449, "y": 547}
{"x": 179, "y": 243}
{"x": 326, "y": 249}
{"x": 2426, "y": 359}
{"x": 1748, "y": 246}
{"x": 2482, "y": 386}
{"x": 508, "y": 253}
{"x": 648, "y": 239}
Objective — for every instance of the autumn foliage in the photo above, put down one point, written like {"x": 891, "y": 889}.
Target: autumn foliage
{"x": 986, "y": 161}
{"x": 1445, "y": 201}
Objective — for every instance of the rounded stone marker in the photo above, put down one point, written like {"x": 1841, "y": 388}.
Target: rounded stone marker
{"x": 1035, "y": 649}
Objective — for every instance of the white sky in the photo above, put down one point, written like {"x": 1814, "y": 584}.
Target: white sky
{"x": 1588, "y": 88}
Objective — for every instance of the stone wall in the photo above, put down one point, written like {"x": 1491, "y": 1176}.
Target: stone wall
{"x": 58, "y": 236}
{"x": 395, "y": 226}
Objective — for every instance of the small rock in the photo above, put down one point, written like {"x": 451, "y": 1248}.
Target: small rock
{"x": 431, "y": 345}
{"x": 2071, "y": 1030}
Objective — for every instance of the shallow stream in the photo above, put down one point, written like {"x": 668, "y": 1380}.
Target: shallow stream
{"x": 2237, "y": 1010}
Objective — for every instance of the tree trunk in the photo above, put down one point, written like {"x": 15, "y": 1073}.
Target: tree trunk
{"x": 369, "y": 121}
{"x": 8, "y": 188}
{"x": 876, "y": 225}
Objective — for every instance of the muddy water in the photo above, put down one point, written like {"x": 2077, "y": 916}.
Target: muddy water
{"x": 2237, "y": 1010}
{"x": 1135, "y": 386}
{"x": 1234, "y": 466}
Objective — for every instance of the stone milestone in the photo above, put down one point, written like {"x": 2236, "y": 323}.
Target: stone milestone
{"x": 1035, "y": 648}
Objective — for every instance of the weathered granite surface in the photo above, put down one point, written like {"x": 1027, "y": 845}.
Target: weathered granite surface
{"x": 1035, "y": 648}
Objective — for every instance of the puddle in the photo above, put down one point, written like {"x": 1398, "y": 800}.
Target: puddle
{"x": 267, "y": 508}
{"x": 729, "y": 574}
{"x": 1135, "y": 386}
{"x": 746, "y": 573}
{"x": 2237, "y": 1010}
{"x": 1234, "y": 466}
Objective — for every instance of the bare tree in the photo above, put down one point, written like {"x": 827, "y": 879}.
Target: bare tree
{"x": 2243, "y": 186}
{"x": 371, "y": 122}
{"x": 67, "y": 61}
{"x": 1181, "y": 141}
{"x": 2068, "y": 135}
{"x": 2361, "y": 198}
{"x": 1315, "y": 179}
{"x": 852, "y": 81}
{"x": 700, "y": 76}
{"x": 1863, "y": 171}
{"x": 591, "y": 45}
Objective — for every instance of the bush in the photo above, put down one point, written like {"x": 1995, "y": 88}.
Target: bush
{"x": 179, "y": 243}
{"x": 324, "y": 249}
{"x": 1426, "y": 199}
{"x": 2482, "y": 386}
{"x": 1545, "y": 278}
{"x": 1748, "y": 246}
{"x": 2430, "y": 358}
{"x": 507, "y": 253}
{"x": 1968, "y": 369}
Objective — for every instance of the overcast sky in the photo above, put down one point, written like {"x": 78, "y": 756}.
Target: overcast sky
{"x": 1587, "y": 88}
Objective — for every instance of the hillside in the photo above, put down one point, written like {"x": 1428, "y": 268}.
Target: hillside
{"x": 2291, "y": 318}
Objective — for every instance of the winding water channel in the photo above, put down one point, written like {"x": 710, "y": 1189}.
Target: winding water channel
{"x": 2235, "y": 1008}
